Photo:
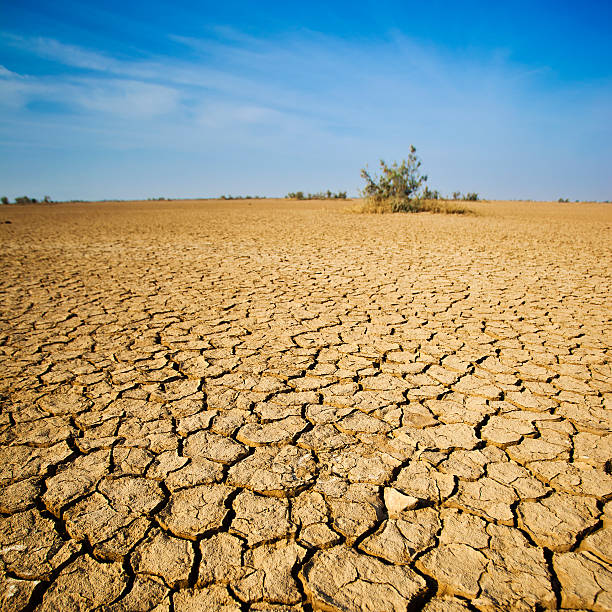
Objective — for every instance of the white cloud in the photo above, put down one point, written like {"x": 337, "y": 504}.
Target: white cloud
{"x": 6, "y": 73}
{"x": 111, "y": 96}
{"x": 129, "y": 99}
{"x": 69, "y": 55}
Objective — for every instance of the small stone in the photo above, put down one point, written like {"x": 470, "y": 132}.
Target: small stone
{"x": 396, "y": 502}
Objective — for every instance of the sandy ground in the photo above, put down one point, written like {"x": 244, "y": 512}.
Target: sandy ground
{"x": 279, "y": 405}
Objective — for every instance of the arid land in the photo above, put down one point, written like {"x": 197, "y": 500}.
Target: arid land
{"x": 278, "y": 405}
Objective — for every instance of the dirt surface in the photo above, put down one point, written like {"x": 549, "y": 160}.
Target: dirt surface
{"x": 276, "y": 405}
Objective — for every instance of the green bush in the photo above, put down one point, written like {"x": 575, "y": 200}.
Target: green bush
{"x": 398, "y": 184}
{"x": 401, "y": 188}
{"x": 25, "y": 200}
{"x": 320, "y": 195}
{"x": 246, "y": 197}
{"x": 4, "y": 200}
{"x": 471, "y": 197}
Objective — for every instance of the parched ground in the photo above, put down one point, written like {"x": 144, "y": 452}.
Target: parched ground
{"x": 284, "y": 406}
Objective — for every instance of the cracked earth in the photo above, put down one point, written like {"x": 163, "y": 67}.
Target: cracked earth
{"x": 284, "y": 406}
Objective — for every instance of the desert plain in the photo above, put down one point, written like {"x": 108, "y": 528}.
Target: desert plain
{"x": 279, "y": 405}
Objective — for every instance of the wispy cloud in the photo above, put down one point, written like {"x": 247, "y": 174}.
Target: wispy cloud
{"x": 69, "y": 55}
{"x": 132, "y": 99}
{"x": 312, "y": 93}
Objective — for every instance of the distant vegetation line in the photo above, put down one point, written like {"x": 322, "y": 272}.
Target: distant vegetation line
{"x": 405, "y": 201}
{"x": 320, "y": 195}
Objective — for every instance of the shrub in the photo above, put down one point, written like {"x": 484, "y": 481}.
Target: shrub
{"x": 563, "y": 199}
{"x": 456, "y": 195}
{"x": 246, "y": 197}
{"x": 320, "y": 195}
{"x": 429, "y": 194}
{"x": 4, "y": 200}
{"x": 398, "y": 184}
{"x": 401, "y": 188}
{"x": 471, "y": 197}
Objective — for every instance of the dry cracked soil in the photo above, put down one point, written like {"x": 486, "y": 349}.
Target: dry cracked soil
{"x": 282, "y": 406}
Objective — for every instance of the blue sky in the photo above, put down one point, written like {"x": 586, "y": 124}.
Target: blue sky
{"x": 138, "y": 99}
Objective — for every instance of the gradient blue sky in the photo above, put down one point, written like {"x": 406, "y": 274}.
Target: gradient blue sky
{"x": 133, "y": 99}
